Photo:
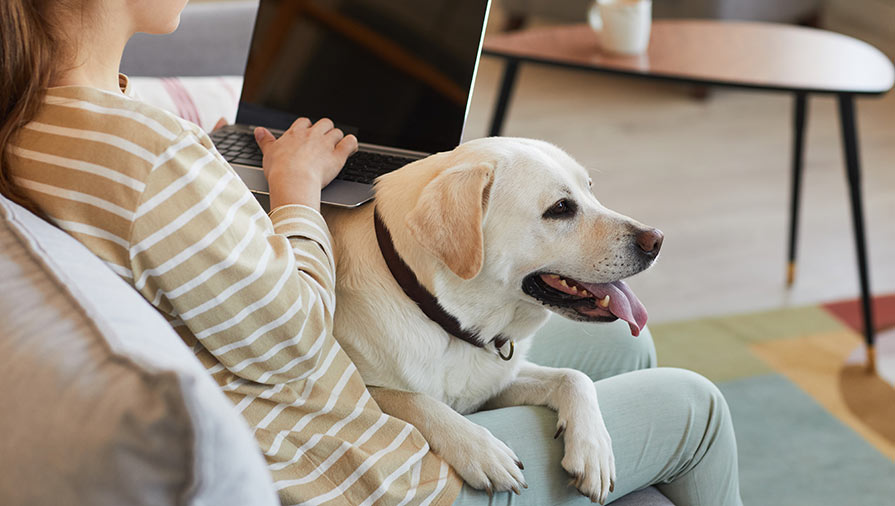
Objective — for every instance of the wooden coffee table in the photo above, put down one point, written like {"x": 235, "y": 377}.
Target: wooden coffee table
{"x": 761, "y": 56}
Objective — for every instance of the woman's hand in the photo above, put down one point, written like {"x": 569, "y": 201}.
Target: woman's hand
{"x": 303, "y": 160}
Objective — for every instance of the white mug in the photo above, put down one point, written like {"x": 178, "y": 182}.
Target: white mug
{"x": 623, "y": 25}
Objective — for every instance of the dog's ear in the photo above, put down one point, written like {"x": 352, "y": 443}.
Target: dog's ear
{"x": 447, "y": 218}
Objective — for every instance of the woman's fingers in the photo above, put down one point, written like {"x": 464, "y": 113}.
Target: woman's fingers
{"x": 323, "y": 125}
{"x": 300, "y": 123}
{"x": 334, "y": 135}
{"x": 347, "y": 146}
{"x": 264, "y": 138}
{"x": 220, "y": 124}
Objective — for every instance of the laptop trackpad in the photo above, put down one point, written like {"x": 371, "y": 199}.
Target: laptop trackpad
{"x": 346, "y": 193}
{"x": 338, "y": 192}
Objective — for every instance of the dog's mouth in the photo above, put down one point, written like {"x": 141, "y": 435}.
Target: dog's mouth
{"x": 601, "y": 302}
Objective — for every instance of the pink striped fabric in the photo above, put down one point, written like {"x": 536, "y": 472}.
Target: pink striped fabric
{"x": 199, "y": 100}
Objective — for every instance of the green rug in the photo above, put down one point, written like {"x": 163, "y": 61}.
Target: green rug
{"x": 813, "y": 427}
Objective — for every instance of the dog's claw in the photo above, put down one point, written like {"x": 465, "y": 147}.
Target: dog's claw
{"x": 559, "y": 431}
{"x": 611, "y": 486}
{"x": 519, "y": 463}
{"x": 489, "y": 491}
{"x": 516, "y": 490}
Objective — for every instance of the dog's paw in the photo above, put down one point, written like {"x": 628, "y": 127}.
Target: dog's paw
{"x": 588, "y": 458}
{"x": 484, "y": 462}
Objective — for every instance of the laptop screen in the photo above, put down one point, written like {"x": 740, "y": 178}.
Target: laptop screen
{"x": 393, "y": 72}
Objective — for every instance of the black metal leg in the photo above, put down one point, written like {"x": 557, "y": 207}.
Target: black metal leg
{"x": 503, "y": 98}
{"x": 798, "y": 145}
{"x": 853, "y": 170}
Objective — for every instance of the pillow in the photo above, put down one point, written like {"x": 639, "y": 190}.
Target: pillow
{"x": 103, "y": 404}
{"x": 202, "y": 100}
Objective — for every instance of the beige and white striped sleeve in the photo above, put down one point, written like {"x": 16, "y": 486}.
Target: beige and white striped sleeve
{"x": 256, "y": 291}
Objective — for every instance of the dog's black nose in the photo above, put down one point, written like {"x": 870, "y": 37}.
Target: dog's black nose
{"x": 649, "y": 241}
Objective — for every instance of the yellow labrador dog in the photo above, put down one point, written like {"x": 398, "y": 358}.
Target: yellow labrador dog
{"x": 442, "y": 280}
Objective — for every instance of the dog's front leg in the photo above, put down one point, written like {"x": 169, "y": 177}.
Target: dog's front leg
{"x": 588, "y": 447}
{"x": 482, "y": 460}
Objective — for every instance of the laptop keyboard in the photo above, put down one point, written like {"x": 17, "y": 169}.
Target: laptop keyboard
{"x": 237, "y": 147}
{"x": 361, "y": 167}
{"x": 364, "y": 167}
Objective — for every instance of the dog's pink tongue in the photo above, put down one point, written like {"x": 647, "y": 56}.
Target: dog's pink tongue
{"x": 622, "y": 303}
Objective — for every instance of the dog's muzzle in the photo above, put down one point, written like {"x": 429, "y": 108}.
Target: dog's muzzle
{"x": 578, "y": 300}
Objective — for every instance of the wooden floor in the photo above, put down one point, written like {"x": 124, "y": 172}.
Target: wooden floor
{"x": 714, "y": 175}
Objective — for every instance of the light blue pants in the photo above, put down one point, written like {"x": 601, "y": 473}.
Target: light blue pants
{"x": 669, "y": 427}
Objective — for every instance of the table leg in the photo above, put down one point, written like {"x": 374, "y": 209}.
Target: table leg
{"x": 798, "y": 147}
{"x": 503, "y": 97}
{"x": 853, "y": 171}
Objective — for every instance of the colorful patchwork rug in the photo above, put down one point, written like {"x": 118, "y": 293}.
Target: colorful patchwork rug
{"x": 813, "y": 427}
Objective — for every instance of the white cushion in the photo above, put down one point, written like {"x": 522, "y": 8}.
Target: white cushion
{"x": 201, "y": 100}
{"x": 102, "y": 403}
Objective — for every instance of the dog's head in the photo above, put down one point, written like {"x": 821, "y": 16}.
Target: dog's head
{"x": 517, "y": 220}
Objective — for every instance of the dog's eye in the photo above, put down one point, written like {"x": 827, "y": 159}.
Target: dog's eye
{"x": 562, "y": 208}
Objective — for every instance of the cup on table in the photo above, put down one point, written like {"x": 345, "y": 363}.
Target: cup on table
{"x": 623, "y": 25}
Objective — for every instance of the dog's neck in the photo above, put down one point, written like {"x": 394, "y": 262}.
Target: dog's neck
{"x": 424, "y": 299}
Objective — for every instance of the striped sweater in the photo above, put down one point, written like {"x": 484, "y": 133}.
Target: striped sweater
{"x": 251, "y": 293}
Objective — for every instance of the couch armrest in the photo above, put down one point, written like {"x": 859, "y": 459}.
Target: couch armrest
{"x": 212, "y": 40}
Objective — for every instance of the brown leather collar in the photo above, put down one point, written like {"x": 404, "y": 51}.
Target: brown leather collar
{"x": 427, "y": 302}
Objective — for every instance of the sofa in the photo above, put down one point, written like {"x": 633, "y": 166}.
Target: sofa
{"x": 103, "y": 404}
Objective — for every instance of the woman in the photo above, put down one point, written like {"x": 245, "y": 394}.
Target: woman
{"x": 252, "y": 293}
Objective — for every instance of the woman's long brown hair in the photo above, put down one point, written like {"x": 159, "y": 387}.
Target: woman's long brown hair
{"x": 29, "y": 53}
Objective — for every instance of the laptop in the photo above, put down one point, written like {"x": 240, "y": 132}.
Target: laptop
{"x": 398, "y": 74}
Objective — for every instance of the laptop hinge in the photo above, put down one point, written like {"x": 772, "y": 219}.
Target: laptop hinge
{"x": 363, "y": 146}
{"x": 375, "y": 148}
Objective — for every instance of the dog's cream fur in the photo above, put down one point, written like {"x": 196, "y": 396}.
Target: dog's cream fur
{"x": 470, "y": 225}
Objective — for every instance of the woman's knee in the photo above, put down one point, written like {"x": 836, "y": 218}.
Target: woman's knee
{"x": 705, "y": 457}
{"x": 689, "y": 389}
{"x": 697, "y": 404}
{"x": 598, "y": 350}
{"x": 665, "y": 423}
{"x": 628, "y": 353}
{"x": 642, "y": 350}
